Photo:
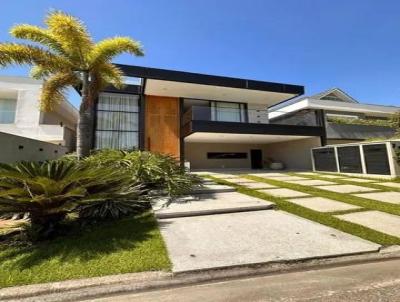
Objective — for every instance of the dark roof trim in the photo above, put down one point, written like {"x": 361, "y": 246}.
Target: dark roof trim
{"x": 204, "y": 79}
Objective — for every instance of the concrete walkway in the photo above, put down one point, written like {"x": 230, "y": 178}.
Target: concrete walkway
{"x": 216, "y": 241}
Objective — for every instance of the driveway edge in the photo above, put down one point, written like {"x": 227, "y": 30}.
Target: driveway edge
{"x": 81, "y": 289}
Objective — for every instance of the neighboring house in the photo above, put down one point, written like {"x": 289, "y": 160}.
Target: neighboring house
{"x": 346, "y": 119}
{"x": 204, "y": 120}
{"x": 20, "y": 114}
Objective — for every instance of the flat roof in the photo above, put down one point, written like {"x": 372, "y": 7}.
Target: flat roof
{"x": 205, "y": 79}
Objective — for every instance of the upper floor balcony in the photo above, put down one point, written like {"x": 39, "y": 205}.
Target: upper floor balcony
{"x": 251, "y": 121}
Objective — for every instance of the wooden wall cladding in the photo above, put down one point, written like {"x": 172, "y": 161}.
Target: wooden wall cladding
{"x": 162, "y": 125}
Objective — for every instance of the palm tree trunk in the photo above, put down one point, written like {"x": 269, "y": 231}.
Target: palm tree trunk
{"x": 85, "y": 122}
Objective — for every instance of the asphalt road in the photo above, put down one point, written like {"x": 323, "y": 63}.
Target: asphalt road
{"x": 363, "y": 282}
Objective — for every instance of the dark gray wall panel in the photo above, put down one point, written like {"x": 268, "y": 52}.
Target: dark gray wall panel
{"x": 349, "y": 159}
{"x": 324, "y": 159}
{"x": 376, "y": 159}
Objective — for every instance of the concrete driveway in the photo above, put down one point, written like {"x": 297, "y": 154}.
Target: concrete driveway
{"x": 199, "y": 236}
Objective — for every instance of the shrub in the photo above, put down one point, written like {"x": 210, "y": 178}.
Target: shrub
{"x": 49, "y": 191}
{"x": 155, "y": 171}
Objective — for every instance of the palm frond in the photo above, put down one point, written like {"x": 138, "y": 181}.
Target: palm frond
{"x": 71, "y": 34}
{"x": 53, "y": 91}
{"x": 112, "y": 75}
{"x": 38, "y": 35}
{"x": 21, "y": 54}
{"x": 107, "y": 49}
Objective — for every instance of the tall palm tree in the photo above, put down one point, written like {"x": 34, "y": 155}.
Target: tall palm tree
{"x": 64, "y": 55}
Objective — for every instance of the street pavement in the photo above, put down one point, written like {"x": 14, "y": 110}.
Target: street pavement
{"x": 362, "y": 282}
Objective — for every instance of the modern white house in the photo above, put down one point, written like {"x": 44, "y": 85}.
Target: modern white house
{"x": 20, "y": 114}
{"x": 346, "y": 119}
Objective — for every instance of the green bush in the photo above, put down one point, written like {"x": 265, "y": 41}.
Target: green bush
{"x": 358, "y": 121}
{"x": 107, "y": 184}
{"x": 156, "y": 172}
{"x": 51, "y": 190}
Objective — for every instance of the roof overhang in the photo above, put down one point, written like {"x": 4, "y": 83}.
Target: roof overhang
{"x": 201, "y": 86}
{"x": 237, "y": 138}
{"x": 367, "y": 109}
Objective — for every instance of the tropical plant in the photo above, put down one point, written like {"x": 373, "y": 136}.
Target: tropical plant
{"x": 49, "y": 191}
{"x": 64, "y": 55}
{"x": 154, "y": 171}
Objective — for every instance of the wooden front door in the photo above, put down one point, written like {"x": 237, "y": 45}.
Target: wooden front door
{"x": 162, "y": 125}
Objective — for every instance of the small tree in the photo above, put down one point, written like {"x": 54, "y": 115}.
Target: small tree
{"x": 64, "y": 55}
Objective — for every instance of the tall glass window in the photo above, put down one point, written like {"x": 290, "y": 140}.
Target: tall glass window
{"x": 228, "y": 112}
{"x": 117, "y": 124}
{"x": 7, "y": 111}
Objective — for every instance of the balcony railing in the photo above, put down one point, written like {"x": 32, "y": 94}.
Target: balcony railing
{"x": 254, "y": 116}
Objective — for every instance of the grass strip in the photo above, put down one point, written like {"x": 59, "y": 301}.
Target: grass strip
{"x": 349, "y": 182}
{"x": 132, "y": 244}
{"x": 347, "y": 198}
{"x": 320, "y": 217}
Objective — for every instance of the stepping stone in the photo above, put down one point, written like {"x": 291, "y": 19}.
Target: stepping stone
{"x": 212, "y": 188}
{"x": 360, "y": 180}
{"x": 284, "y": 193}
{"x": 209, "y": 204}
{"x": 239, "y": 181}
{"x": 257, "y": 185}
{"x": 391, "y": 197}
{"x": 204, "y": 242}
{"x": 390, "y": 184}
{"x": 272, "y": 174}
{"x": 308, "y": 173}
{"x": 312, "y": 182}
{"x": 287, "y": 178}
{"x": 321, "y": 204}
{"x": 346, "y": 188}
{"x": 376, "y": 220}
{"x": 224, "y": 176}
{"x": 330, "y": 176}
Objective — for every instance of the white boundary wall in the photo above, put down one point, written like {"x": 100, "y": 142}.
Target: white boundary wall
{"x": 15, "y": 148}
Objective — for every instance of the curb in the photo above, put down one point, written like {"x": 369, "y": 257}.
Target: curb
{"x": 90, "y": 288}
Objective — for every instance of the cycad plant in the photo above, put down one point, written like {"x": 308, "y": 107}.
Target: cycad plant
{"x": 64, "y": 55}
{"x": 49, "y": 191}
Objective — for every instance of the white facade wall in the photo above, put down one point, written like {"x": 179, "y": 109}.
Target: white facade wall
{"x": 257, "y": 113}
{"x": 29, "y": 121}
{"x": 17, "y": 148}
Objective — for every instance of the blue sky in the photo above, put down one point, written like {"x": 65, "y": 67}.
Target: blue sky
{"x": 354, "y": 45}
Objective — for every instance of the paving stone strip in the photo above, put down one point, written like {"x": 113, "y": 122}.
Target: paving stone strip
{"x": 379, "y": 221}
{"x": 210, "y": 204}
{"x": 257, "y": 185}
{"x": 311, "y": 182}
{"x": 286, "y": 178}
{"x": 202, "y": 242}
{"x": 390, "y": 184}
{"x": 346, "y": 189}
{"x": 269, "y": 174}
{"x": 239, "y": 180}
{"x": 330, "y": 176}
{"x": 285, "y": 193}
{"x": 360, "y": 180}
{"x": 322, "y": 204}
{"x": 390, "y": 197}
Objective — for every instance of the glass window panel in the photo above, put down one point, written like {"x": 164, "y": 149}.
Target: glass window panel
{"x": 227, "y": 112}
{"x": 7, "y": 111}
{"x": 117, "y": 121}
{"x": 118, "y": 102}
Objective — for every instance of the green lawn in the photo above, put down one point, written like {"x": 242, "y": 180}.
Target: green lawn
{"x": 327, "y": 219}
{"x": 124, "y": 246}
